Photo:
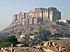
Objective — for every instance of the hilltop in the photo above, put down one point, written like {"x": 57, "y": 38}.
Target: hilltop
{"x": 37, "y": 19}
{"x": 53, "y": 27}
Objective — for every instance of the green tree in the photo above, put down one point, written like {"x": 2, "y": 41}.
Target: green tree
{"x": 12, "y": 39}
{"x": 5, "y": 44}
{"x": 43, "y": 34}
{"x": 7, "y": 41}
{"x": 47, "y": 35}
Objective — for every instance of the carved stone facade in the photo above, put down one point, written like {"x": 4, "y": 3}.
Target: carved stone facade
{"x": 39, "y": 14}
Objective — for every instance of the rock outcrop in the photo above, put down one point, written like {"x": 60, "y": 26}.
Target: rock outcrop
{"x": 55, "y": 46}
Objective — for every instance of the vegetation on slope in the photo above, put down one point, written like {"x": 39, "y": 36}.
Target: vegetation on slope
{"x": 7, "y": 41}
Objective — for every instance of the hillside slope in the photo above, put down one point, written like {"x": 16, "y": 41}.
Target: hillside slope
{"x": 16, "y": 28}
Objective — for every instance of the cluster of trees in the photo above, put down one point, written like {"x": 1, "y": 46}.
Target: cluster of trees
{"x": 7, "y": 41}
{"x": 43, "y": 34}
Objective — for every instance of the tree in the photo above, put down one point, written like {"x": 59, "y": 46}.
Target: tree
{"x": 7, "y": 41}
{"x": 30, "y": 34}
{"x": 47, "y": 35}
{"x": 27, "y": 36}
{"x": 43, "y": 34}
{"x": 12, "y": 39}
{"x": 4, "y": 44}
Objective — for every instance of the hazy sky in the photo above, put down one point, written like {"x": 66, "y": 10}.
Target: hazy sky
{"x": 10, "y": 7}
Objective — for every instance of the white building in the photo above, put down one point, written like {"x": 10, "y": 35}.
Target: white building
{"x": 65, "y": 21}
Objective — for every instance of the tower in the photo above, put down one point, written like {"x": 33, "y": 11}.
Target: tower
{"x": 15, "y": 17}
{"x": 53, "y": 14}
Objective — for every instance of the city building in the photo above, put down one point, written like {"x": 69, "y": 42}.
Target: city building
{"x": 45, "y": 14}
{"x": 65, "y": 21}
{"x": 54, "y": 14}
{"x": 30, "y": 20}
{"x": 35, "y": 20}
{"x": 15, "y": 17}
{"x": 38, "y": 15}
{"x": 20, "y": 16}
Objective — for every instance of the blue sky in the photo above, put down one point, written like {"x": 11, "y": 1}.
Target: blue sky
{"x": 10, "y": 7}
